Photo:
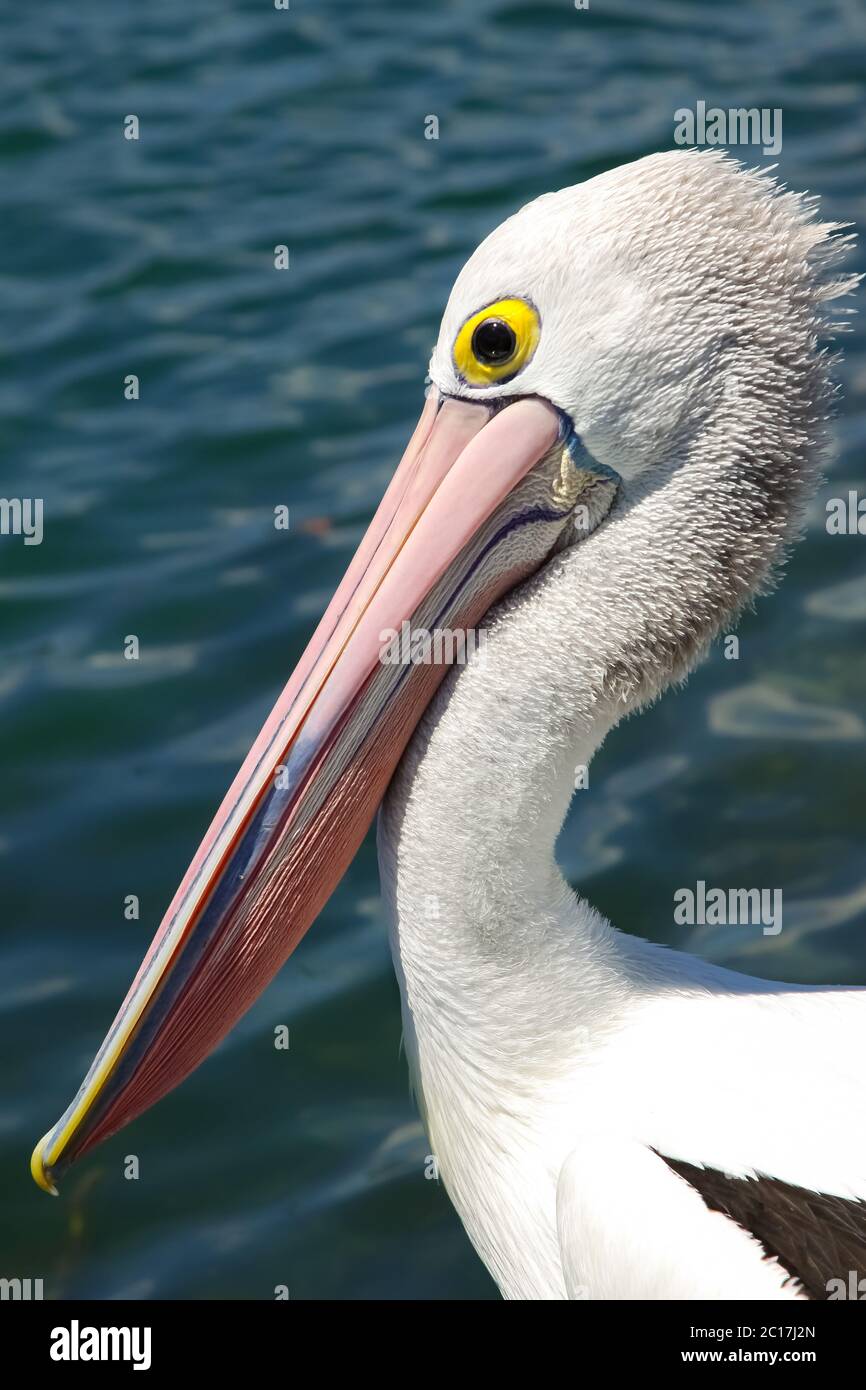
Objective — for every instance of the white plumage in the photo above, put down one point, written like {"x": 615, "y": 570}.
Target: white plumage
{"x": 558, "y": 1062}
{"x": 611, "y": 1119}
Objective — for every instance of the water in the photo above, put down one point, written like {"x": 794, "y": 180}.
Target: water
{"x": 261, "y": 388}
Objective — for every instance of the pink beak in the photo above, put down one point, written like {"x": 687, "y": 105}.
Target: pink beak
{"x": 476, "y": 505}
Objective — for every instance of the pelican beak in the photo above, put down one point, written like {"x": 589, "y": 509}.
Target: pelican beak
{"x": 479, "y": 501}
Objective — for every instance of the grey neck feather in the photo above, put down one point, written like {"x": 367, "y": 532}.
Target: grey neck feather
{"x": 469, "y": 825}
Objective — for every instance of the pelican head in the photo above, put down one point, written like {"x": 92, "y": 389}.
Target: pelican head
{"x": 659, "y": 321}
{"x": 673, "y": 292}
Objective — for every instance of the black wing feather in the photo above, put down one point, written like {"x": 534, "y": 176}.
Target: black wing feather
{"x": 815, "y": 1237}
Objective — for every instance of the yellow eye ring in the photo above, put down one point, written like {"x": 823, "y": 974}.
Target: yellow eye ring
{"x": 496, "y": 342}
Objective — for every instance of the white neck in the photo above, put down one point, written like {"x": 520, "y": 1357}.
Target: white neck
{"x": 690, "y": 367}
{"x": 469, "y": 825}
{"x": 507, "y": 978}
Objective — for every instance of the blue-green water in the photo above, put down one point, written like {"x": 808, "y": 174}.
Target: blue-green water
{"x": 305, "y": 127}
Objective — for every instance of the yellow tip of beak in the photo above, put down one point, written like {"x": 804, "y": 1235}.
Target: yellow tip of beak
{"x": 37, "y": 1168}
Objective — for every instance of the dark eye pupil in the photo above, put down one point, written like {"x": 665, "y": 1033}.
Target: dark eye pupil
{"x": 493, "y": 341}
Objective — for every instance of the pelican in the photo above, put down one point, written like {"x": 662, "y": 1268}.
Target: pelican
{"x": 625, "y": 421}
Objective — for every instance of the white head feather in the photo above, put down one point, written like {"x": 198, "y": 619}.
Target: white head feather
{"x": 670, "y": 290}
